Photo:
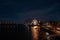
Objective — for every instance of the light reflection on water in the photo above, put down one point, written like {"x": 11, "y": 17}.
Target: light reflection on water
{"x": 35, "y": 33}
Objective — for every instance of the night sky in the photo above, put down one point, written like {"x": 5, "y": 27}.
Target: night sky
{"x": 20, "y": 10}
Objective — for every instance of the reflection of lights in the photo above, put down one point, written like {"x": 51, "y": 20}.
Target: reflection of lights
{"x": 35, "y": 32}
{"x": 58, "y": 29}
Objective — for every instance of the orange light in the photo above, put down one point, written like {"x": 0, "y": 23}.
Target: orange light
{"x": 35, "y": 32}
{"x": 35, "y": 27}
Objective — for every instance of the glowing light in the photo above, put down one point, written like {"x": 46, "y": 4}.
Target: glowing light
{"x": 47, "y": 33}
{"x": 35, "y": 32}
{"x": 35, "y": 22}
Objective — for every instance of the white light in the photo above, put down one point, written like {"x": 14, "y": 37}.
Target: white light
{"x": 35, "y": 22}
{"x": 47, "y": 33}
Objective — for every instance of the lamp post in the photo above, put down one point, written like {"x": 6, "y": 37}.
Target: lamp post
{"x": 35, "y": 28}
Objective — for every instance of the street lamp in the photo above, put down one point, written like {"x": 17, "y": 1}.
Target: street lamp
{"x": 33, "y": 29}
{"x": 35, "y": 26}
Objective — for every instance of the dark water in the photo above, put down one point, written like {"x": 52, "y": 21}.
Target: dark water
{"x": 18, "y": 32}
{"x": 13, "y": 31}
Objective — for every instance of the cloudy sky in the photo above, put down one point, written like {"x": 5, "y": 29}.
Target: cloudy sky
{"x": 20, "y": 10}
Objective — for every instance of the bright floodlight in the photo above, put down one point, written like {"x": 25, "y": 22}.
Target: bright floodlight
{"x": 35, "y": 22}
{"x": 47, "y": 33}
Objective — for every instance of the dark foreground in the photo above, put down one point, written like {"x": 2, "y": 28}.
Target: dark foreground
{"x": 17, "y": 32}
{"x": 18, "y": 36}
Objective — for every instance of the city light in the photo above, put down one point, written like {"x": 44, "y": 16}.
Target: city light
{"x": 35, "y": 32}
{"x": 35, "y": 22}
